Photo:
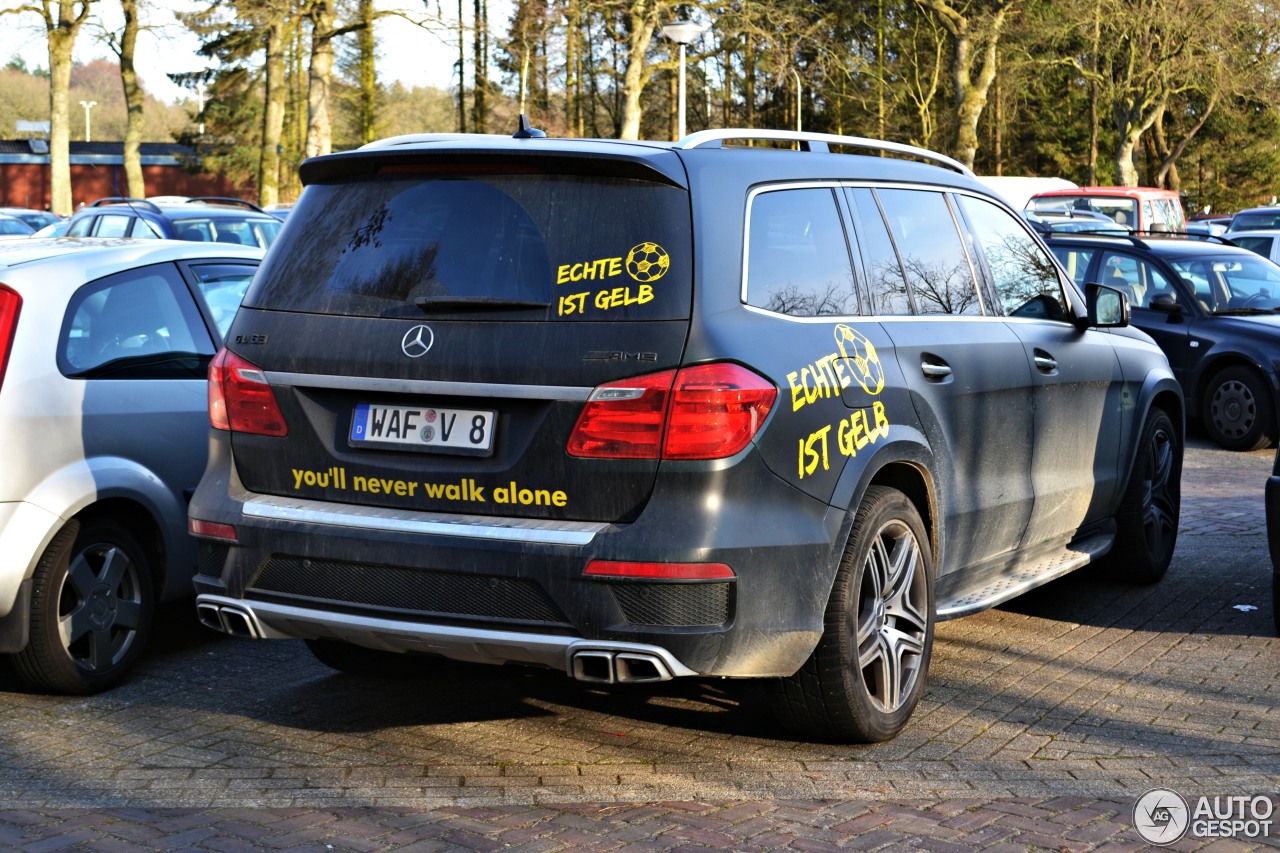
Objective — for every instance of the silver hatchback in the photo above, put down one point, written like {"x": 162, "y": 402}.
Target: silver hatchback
{"x": 104, "y": 348}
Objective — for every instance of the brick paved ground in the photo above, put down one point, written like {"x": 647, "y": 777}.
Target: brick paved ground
{"x": 1043, "y": 722}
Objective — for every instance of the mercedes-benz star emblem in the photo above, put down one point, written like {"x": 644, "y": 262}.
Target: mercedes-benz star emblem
{"x": 417, "y": 341}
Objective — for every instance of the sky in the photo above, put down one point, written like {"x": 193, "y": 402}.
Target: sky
{"x": 407, "y": 53}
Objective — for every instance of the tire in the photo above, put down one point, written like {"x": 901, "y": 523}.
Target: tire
{"x": 1238, "y": 413}
{"x": 1275, "y": 596}
{"x": 1147, "y": 520}
{"x": 95, "y": 581}
{"x": 864, "y": 678}
{"x": 358, "y": 660}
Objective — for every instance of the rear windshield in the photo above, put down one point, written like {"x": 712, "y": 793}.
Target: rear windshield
{"x": 1123, "y": 210}
{"x": 566, "y": 247}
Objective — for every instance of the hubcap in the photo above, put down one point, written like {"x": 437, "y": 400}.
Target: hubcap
{"x": 100, "y": 607}
{"x": 1233, "y": 409}
{"x": 892, "y": 617}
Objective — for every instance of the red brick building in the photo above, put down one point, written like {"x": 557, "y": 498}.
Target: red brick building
{"x": 97, "y": 171}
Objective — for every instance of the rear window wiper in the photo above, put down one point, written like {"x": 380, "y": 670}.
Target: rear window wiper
{"x": 475, "y": 303}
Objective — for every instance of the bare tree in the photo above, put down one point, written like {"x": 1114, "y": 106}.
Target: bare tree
{"x": 62, "y": 22}
{"x": 975, "y": 28}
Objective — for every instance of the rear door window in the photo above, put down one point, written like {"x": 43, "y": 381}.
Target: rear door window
{"x": 112, "y": 225}
{"x": 886, "y": 286}
{"x": 139, "y": 324}
{"x": 797, "y": 257}
{"x": 535, "y": 246}
{"x": 933, "y": 256}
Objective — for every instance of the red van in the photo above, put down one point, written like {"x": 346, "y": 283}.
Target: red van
{"x": 1139, "y": 208}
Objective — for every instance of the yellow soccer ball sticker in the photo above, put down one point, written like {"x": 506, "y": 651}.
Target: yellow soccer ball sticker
{"x": 648, "y": 262}
{"x": 862, "y": 354}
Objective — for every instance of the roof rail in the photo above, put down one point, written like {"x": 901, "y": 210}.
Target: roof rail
{"x": 130, "y": 202}
{"x": 819, "y": 142}
{"x": 217, "y": 199}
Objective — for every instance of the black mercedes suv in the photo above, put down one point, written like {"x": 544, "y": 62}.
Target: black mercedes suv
{"x": 754, "y": 404}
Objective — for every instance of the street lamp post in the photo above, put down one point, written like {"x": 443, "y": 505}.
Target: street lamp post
{"x": 88, "y": 105}
{"x": 681, "y": 32}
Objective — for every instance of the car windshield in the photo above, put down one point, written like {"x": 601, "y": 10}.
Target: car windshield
{"x": 1257, "y": 220}
{"x": 258, "y": 231}
{"x": 1121, "y": 210}
{"x": 1233, "y": 283}
{"x": 10, "y": 227}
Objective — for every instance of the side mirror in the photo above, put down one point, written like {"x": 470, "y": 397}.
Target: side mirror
{"x": 1165, "y": 303}
{"x": 1108, "y": 308}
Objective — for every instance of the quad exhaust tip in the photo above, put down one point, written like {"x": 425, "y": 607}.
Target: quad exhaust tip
{"x": 602, "y": 666}
{"x": 228, "y": 620}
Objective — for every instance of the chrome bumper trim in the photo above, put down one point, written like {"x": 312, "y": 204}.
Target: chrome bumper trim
{"x": 538, "y": 531}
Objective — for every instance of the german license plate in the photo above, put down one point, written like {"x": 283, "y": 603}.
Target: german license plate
{"x": 466, "y": 431}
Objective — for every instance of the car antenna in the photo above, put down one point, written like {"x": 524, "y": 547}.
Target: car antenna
{"x": 527, "y": 131}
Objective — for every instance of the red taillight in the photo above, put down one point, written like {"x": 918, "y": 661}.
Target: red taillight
{"x": 624, "y": 420}
{"x": 659, "y": 571}
{"x": 240, "y": 399}
{"x": 211, "y": 530}
{"x": 10, "y": 305}
{"x": 708, "y": 411}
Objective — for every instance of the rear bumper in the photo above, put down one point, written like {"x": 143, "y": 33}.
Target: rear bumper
{"x": 494, "y": 590}
{"x": 584, "y": 659}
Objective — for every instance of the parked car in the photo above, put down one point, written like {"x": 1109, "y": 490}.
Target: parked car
{"x": 207, "y": 219}
{"x": 1256, "y": 219}
{"x": 104, "y": 349}
{"x": 1273, "y": 537}
{"x": 37, "y": 219}
{"x": 1146, "y": 209}
{"x": 1074, "y": 221}
{"x": 57, "y": 229}
{"x": 1265, "y": 242}
{"x": 1212, "y": 307}
{"x": 1213, "y": 226}
{"x": 12, "y": 226}
{"x": 638, "y": 411}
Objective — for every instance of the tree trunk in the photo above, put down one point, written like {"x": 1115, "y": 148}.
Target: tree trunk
{"x": 133, "y": 99}
{"x": 320, "y": 79}
{"x": 643, "y": 19}
{"x": 480, "y": 110}
{"x": 970, "y": 88}
{"x": 62, "y": 33}
{"x": 273, "y": 114}
{"x": 368, "y": 74}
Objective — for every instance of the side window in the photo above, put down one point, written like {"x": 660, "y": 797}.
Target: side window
{"x": 144, "y": 230}
{"x": 933, "y": 256}
{"x": 1135, "y": 278}
{"x": 1025, "y": 277}
{"x": 886, "y": 288}
{"x": 1260, "y": 245}
{"x": 1075, "y": 261}
{"x": 797, "y": 258}
{"x": 112, "y": 225}
{"x": 80, "y": 228}
{"x": 223, "y": 287}
{"x": 134, "y": 325}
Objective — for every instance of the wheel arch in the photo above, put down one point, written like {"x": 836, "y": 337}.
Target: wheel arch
{"x": 904, "y": 464}
{"x": 1211, "y": 367}
{"x": 142, "y": 525}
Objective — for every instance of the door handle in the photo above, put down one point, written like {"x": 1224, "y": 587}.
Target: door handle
{"x": 934, "y": 370}
{"x": 1045, "y": 363}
